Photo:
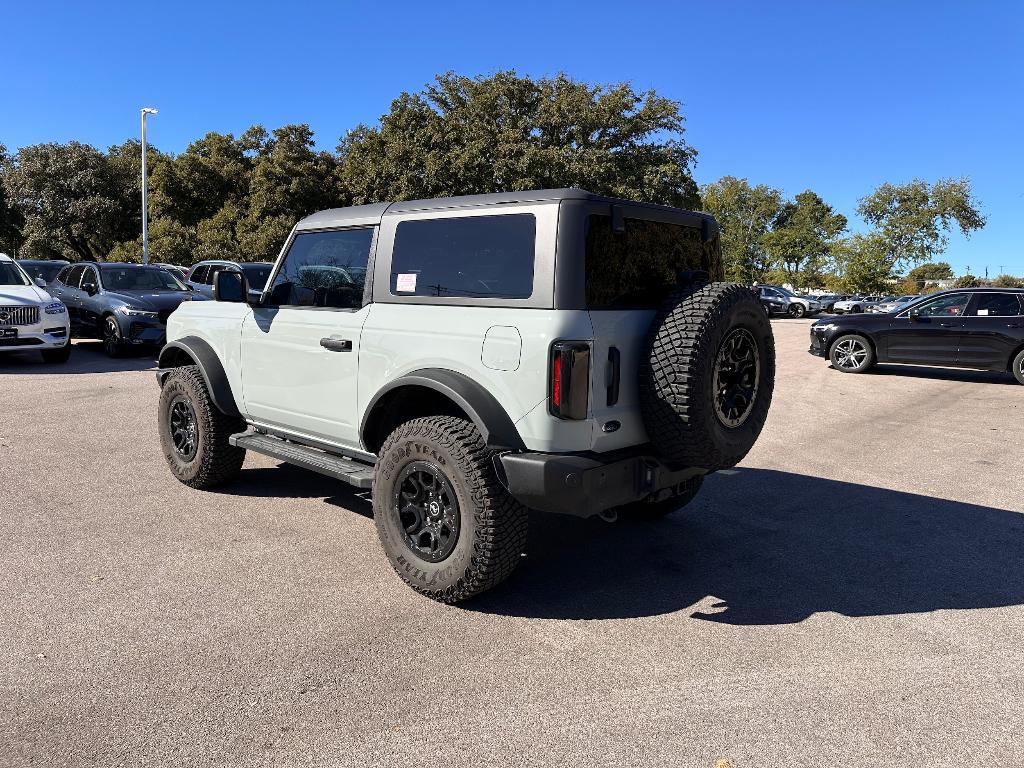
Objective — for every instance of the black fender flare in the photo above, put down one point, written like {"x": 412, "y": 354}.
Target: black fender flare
{"x": 483, "y": 408}
{"x": 209, "y": 365}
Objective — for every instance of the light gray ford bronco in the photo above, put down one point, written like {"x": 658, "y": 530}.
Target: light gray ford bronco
{"x": 471, "y": 358}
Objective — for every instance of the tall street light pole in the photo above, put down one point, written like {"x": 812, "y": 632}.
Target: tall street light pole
{"x": 145, "y": 187}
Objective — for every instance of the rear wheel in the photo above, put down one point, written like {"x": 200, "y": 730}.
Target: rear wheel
{"x": 852, "y": 354}
{"x": 448, "y": 527}
{"x": 1018, "y": 367}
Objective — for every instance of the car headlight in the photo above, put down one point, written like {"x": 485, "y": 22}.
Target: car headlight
{"x": 55, "y": 308}
{"x": 130, "y": 312}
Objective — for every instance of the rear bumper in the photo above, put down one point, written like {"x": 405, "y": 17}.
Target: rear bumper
{"x": 583, "y": 486}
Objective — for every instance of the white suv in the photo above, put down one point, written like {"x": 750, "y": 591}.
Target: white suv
{"x": 472, "y": 357}
{"x": 30, "y": 318}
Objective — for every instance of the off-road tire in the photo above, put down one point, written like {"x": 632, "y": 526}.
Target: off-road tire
{"x": 58, "y": 355}
{"x": 861, "y": 343}
{"x": 492, "y": 524}
{"x": 1017, "y": 367}
{"x": 655, "y": 510}
{"x": 677, "y": 400}
{"x": 215, "y": 461}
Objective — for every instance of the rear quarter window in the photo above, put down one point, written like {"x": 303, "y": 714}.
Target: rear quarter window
{"x": 637, "y": 267}
{"x": 486, "y": 257}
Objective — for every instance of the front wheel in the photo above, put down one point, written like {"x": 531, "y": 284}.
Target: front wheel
{"x": 194, "y": 433}
{"x": 852, "y": 354}
{"x": 797, "y": 310}
{"x": 448, "y": 527}
{"x": 113, "y": 342}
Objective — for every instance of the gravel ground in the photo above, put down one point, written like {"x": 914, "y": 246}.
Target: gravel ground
{"x": 852, "y": 594}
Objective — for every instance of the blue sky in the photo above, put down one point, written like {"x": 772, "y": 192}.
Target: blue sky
{"x": 834, "y": 96}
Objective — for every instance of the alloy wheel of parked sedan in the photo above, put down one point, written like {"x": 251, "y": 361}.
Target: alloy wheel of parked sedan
{"x": 797, "y": 310}
{"x": 852, "y": 354}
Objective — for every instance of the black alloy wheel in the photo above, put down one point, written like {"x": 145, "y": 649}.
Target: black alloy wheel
{"x": 112, "y": 342}
{"x": 427, "y": 510}
{"x": 183, "y": 427}
{"x": 736, "y": 374}
{"x": 796, "y": 309}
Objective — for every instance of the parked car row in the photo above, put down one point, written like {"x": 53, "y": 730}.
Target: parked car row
{"x": 777, "y": 300}
{"x": 980, "y": 328}
{"x": 30, "y": 318}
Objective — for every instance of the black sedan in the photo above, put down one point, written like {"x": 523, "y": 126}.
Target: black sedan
{"x": 123, "y": 304}
{"x": 972, "y": 328}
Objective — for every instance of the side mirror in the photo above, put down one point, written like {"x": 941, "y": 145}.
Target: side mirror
{"x": 40, "y": 282}
{"x": 90, "y": 288}
{"x": 229, "y": 285}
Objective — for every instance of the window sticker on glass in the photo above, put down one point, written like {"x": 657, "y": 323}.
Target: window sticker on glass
{"x": 982, "y": 311}
{"x": 406, "y": 283}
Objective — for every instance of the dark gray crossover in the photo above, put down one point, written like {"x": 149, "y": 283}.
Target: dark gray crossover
{"x": 125, "y": 305}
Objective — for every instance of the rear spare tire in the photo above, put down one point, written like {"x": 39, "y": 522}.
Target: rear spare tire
{"x": 706, "y": 381}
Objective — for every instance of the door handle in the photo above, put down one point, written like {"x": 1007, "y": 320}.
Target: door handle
{"x": 949, "y": 325}
{"x": 336, "y": 345}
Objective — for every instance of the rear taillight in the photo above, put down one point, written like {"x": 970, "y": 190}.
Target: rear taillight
{"x": 569, "y": 379}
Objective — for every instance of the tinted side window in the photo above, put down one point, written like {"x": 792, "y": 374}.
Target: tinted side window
{"x": 473, "y": 256}
{"x": 998, "y": 305}
{"x": 324, "y": 269}
{"x": 637, "y": 267}
{"x": 63, "y": 274}
{"x": 89, "y": 276}
{"x": 945, "y": 306}
{"x": 198, "y": 274}
{"x": 74, "y": 277}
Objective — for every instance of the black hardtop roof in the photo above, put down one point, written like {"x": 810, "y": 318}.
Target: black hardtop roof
{"x": 357, "y": 215}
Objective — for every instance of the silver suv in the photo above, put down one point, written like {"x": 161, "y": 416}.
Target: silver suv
{"x": 470, "y": 358}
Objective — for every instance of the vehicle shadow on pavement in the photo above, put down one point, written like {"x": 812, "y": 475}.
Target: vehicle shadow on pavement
{"x": 86, "y": 357}
{"x": 943, "y": 374}
{"x": 767, "y": 547}
{"x": 286, "y": 481}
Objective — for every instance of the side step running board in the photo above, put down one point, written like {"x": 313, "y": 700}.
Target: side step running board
{"x": 348, "y": 470}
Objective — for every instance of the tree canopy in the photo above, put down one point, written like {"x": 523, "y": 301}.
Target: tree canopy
{"x": 468, "y": 135}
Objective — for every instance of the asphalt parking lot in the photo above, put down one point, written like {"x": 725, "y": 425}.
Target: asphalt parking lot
{"x": 852, "y": 594}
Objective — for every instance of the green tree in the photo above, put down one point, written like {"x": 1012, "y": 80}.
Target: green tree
{"x": 77, "y": 202}
{"x": 1008, "y": 281}
{"x": 464, "y": 135}
{"x": 745, "y": 215}
{"x": 925, "y": 273}
{"x": 864, "y": 263}
{"x": 914, "y": 219}
{"x": 966, "y": 281}
{"x": 11, "y": 220}
{"x": 802, "y": 238}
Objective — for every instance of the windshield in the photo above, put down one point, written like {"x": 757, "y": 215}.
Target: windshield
{"x": 43, "y": 269}
{"x": 139, "y": 279}
{"x": 256, "y": 275}
{"x": 12, "y": 274}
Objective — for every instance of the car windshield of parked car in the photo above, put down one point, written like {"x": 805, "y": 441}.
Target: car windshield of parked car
{"x": 944, "y": 306}
{"x": 12, "y": 274}
{"x": 139, "y": 279}
{"x": 256, "y": 275}
{"x": 45, "y": 270}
